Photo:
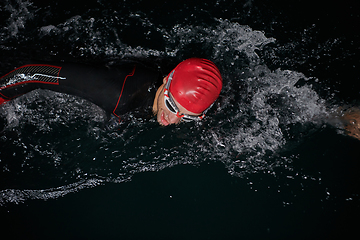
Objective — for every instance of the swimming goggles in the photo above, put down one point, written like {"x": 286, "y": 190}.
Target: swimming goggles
{"x": 171, "y": 106}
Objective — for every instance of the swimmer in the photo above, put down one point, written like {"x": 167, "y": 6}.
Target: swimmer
{"x": 187, "y": 100}
{"x": 185, "y": 94}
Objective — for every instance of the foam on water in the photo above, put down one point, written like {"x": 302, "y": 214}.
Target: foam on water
{"x": 19, "y": 196}
{"x": 70, "y": 148}
{"x": 20, "y": 12}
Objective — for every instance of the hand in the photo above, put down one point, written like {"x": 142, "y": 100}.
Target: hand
{"x": 351, "y": 119}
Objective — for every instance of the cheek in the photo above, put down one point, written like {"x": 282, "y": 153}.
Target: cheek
{"x": 173, "y": 118}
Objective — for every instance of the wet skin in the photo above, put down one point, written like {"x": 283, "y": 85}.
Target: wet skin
{"x": 163, "y": 115}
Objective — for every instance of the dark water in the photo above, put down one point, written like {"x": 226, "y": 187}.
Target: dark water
{"x": 270, "y": 162}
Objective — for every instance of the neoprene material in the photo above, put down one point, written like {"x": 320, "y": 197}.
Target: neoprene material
{"x": 117, "y": 90}
{"x": 196, "y": 84}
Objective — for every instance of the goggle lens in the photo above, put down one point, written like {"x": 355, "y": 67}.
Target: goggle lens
{"x": 169, "y": 106}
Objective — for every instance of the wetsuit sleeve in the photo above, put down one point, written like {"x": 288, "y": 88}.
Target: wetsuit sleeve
{"x": 116, "y": 90}
{"x": 27, "y": 78}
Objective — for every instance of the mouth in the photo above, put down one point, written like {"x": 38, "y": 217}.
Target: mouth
{"x": 163, "y": 120}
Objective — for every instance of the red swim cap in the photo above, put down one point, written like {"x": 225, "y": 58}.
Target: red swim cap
{"x": 196, "y": 84}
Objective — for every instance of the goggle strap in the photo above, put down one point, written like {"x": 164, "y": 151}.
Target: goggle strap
{"x": 166, "y": 92}
{"x": 167, "y": 86}
{"x": 178, "y": 115}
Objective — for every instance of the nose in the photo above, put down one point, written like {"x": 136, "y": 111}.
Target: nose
{"x": 173, "y": 118}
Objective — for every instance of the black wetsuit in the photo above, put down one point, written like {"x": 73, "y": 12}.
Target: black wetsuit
{"x": 117, "y": 90}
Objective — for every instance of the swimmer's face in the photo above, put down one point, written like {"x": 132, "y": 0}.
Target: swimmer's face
{"x": 163, "y": 115}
